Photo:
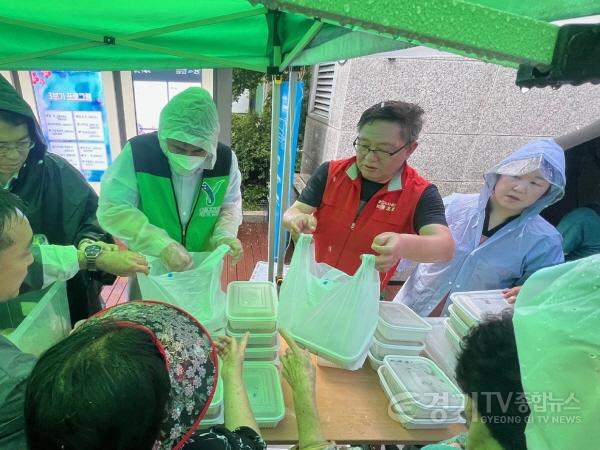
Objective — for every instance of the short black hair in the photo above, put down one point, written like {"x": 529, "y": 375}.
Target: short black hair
{"x": 10, "y": 206}
{"x": 488, "y": 372}
{"x": 103, "y": 387}
{"x": 407, "y": 115}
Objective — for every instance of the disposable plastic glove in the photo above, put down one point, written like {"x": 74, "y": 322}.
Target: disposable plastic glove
{"x": 176, "y": 258}
{"x": 237, "y": 250}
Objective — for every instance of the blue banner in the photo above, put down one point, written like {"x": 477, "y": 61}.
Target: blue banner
{"x": 72, "y": 115}
{"x": 283, "y": 114}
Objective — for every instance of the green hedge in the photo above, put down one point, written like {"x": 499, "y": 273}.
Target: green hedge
{"x": 251, "y": 140}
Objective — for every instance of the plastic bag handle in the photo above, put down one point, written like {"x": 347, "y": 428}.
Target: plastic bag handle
{"x": 367, "y": 262}
{"x": 216, "y": 255}
{"x": 302, "y": 248}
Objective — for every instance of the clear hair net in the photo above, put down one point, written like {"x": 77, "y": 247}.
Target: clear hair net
{"x": 556, "y": 325}
{"x": 191, "y": 117}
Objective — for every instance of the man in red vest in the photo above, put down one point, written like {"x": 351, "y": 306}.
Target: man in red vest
{"x": 375, "y": 202}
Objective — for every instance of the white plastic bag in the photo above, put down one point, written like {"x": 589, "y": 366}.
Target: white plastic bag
{"x": 328, "y": 311}
{"x": 197, "y": 291}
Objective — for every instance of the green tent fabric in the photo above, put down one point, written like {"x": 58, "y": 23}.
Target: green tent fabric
{"x": 126, "y": 35}
{"x": 556, "y": 326}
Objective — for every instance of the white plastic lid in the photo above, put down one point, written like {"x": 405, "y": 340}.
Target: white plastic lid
{"x": 400, "y": 316}
{"x": 255, "y": 300}
{"x": 424, "y": 382}
{"x": 383, "y": 342}
{"x": 479, "y": 304}
{"x": 399, "y": 414}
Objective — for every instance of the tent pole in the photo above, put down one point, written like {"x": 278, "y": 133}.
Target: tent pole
{"x": 287, "y": 158}
{"x": 212, "y": 61}
{"x": 54, "y": 51}
{"x": 275, "y": 103}
{"x": 301, "y": 45}
{"x": 195, "y": 24}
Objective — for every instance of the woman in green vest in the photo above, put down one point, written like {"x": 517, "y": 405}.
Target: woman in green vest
{"x": 177, "y": 190}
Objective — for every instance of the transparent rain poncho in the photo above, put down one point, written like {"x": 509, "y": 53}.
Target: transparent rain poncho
{"x": 191, "y": 117}
{"x": 506, "y": 259}
{"x": 556, "y": 326}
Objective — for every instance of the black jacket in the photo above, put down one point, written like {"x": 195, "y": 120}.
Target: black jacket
{"x": 60, "y": 204}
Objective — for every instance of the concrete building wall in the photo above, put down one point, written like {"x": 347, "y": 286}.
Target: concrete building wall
{"x": 474, "y": 113}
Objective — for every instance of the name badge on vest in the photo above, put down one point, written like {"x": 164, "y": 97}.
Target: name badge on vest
{"x": 386, "y": 206}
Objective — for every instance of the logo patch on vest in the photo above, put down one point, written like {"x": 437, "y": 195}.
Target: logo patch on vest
{"x": 209, "y": 211}
{"x": 386, "y": 206}
{"x": 211, "y": 192}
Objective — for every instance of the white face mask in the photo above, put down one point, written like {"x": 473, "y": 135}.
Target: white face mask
{"x": 185, "y": 164}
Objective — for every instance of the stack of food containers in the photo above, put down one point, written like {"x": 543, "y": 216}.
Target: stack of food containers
{"x": 252, "y": 306}
{"x": 470, "y": 308}
{"x": 438, "y": 348}
{"x": 400, "y": 331}
{"x": 420, "y": 394}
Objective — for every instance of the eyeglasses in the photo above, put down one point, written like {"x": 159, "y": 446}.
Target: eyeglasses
{"x": 20, "y": 147}
{"x": 382, "y": 155}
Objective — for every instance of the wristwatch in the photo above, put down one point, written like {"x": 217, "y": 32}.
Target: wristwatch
{"x": 92, "y": 252}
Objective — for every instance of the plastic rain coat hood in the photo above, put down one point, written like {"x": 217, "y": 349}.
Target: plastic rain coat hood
{"x": 507, "y": 258}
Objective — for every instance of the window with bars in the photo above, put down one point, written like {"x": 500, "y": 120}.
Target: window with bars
{"x": 325, "y": 74}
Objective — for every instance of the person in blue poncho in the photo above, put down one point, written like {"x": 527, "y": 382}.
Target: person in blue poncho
{"x": 500, "y": 238}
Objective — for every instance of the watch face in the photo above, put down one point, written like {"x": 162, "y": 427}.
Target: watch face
{"x": 92, "y": 251}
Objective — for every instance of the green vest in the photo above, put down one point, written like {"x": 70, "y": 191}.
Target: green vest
{"x": 157, "y": 196}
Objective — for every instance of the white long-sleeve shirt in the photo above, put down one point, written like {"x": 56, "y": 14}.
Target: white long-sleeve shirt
{"x": 119, "y": 215}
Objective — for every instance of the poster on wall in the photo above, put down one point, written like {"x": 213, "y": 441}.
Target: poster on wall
{"x": 72, "y": 115}
{"x": 153, "y": 89}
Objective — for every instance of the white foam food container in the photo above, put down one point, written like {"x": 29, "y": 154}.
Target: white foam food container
{"x": 453, "y": 338}
{"x": 381, "y": 347}
{"x": 474, "y": 306}
{"x": 374, "y": 362}
{"x": 260, "y": 353}
{"x": 421, "y": 388}
{"x": 397, "y": 413}
{"x": 252, "y": 305}
{"x": 397, "y": 322}
{"x": 461, "y": 328}
{"x": 269, "y": 339}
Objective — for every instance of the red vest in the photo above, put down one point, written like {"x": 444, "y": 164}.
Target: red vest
{"x": 341, "y": 237}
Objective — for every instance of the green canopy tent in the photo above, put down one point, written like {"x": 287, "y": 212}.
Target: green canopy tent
{"x": 272, "y": 35}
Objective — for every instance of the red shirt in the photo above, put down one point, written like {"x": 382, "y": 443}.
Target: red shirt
{"x": 342, "y": 234}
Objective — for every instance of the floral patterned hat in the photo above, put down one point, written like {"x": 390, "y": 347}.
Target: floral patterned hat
{"x": 190, "y": 358}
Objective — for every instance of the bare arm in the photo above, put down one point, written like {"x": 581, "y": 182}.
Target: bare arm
{"x": 433, "y": 244}
{"x": 299, "y": 371}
